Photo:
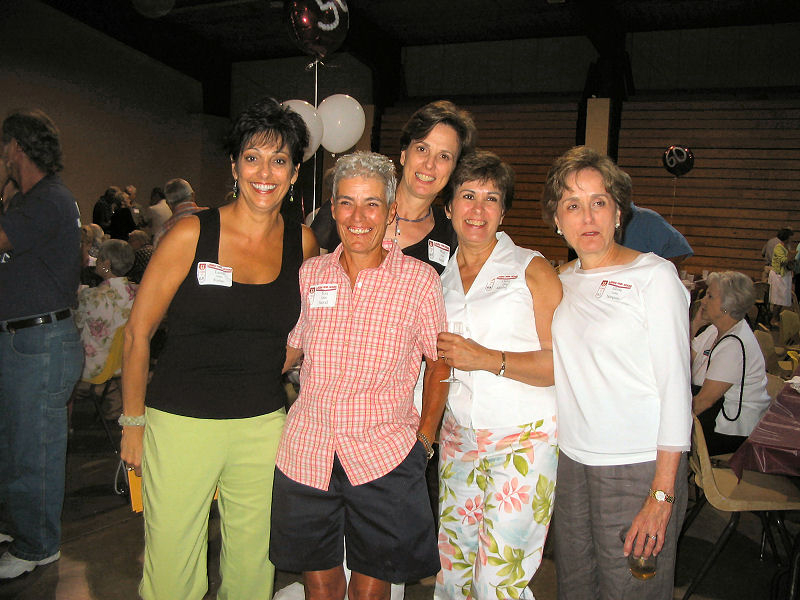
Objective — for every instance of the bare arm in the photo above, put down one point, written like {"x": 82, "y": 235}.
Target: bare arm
{"x": 533, "y": 368}
{"x": 5, "y": 243}
{"x": 292, "y": 357}
{"x": 310, "y": 245}
{"x": 434, "y": 397}
{"x": 708, "y": 395}
{"x": 167, "y": 269}
{"x": 652, "y": 519}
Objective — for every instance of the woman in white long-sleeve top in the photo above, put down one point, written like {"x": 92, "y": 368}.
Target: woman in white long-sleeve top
{"x": 621, "y": 363}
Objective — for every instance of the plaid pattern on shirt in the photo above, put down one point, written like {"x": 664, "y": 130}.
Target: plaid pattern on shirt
{"x": 184, "y": 209}
{"x": 362, "y": 359}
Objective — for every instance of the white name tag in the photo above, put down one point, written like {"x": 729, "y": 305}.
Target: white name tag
{"x": 613, "y": 290}
{"x": 323, "y": 296}
{"x": 438, "y": 252}
{"x": 209, "y": 273}
{"x": 500, "y": 282}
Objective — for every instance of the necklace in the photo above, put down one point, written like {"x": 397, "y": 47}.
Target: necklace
{"x": 398, "y": 218}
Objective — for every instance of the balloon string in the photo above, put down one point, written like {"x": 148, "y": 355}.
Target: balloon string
{"x": 316, "y": 105}
{"x": 674, "y": 193}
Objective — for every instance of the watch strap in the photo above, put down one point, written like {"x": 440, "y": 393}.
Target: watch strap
{"x": 662, "y": 496}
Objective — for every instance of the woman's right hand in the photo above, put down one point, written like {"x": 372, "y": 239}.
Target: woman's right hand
{"x": 131, "y": 447}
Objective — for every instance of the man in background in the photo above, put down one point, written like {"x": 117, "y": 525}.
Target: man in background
{"x": 40, "y": 349}
{"x": 180, "y": 198}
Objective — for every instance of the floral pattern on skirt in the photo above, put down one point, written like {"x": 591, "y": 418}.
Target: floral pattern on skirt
{"x": 496, "y": 490}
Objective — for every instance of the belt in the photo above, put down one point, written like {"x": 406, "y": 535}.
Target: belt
{"x": 12, "y": 326}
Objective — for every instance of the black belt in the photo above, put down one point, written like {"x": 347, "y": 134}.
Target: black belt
{"x": 12, "y": 326}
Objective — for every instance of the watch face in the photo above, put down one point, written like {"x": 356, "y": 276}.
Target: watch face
{"x": 660, "y": 496}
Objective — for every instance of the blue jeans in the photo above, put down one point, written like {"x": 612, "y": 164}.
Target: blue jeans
{"x": 39, "y": 366}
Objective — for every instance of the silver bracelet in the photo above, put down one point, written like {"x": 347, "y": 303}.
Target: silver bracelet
{"x": 128, "y": 421}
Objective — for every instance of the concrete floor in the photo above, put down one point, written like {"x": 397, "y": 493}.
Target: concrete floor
{"x": 103, "y": 542}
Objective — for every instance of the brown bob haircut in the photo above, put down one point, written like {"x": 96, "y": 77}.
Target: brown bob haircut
{"x": 482, "y": 165}
{"x": 445, "y": 112}
{"x": 617, "y": 182}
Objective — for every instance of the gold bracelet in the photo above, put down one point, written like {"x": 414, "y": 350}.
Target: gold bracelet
{"x": 502, "y": 370}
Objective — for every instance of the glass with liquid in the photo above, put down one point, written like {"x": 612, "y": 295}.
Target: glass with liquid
{"x": 641, "y": 567}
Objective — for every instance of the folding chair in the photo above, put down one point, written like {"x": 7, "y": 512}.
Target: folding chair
{"x": 107, "y": 378}
{"x": 756, "y": 492}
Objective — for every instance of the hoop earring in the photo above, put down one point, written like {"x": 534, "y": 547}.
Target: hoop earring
{"x": 235, "y": 188}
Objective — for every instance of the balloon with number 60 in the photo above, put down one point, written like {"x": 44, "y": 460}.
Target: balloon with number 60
{"x": 678, "y": 160}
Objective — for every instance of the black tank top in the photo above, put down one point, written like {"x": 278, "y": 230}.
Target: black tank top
{"x": 226, "y": 345}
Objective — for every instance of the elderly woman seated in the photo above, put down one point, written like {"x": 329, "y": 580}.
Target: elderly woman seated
{"x": 729, "y": 380}
{"x": 105, "y": 308}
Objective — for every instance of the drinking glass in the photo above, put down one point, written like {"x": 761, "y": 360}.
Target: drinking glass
{"x": 641, "y": 567}
{"x": 456, "y": 327}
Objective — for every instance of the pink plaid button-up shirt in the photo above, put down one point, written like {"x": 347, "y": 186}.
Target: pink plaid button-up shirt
{"x": 363, "y": 347}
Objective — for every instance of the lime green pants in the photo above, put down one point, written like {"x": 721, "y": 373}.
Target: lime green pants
{"x": 185, "y": 460}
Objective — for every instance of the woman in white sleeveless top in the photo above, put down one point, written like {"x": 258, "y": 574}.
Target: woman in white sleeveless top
{"x": 497, "y": 462}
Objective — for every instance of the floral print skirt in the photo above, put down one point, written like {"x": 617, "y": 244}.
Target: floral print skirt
{"x": 496, "y": 491}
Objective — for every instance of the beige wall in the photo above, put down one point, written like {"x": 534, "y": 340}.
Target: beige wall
{"x": 124, "y": 118}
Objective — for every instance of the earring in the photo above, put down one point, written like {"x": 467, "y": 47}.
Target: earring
{"x": 291, "y": 192}
{"x": 235, "y": 188}
{"x": 616, "y": 226}
{"x": 558, "y": 231}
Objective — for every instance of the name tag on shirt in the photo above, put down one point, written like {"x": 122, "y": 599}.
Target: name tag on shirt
{"x": 500, "y": 282}
{"x": 613, "y": 290}
{"x": 209, "y": 273}
{"x": 438, "y": 252}
{"x": 323, "y": 296}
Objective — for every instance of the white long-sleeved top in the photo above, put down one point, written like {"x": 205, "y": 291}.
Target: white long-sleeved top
{"x": 621, "y": 354}
{"x": 497, "y": 312}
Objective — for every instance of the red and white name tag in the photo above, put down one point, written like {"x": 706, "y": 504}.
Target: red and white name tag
{"x": 323, "y": 295}
{"x": 500, "y": 282}
{"x": 209, "y": 273}
{"x": 438, "y": 252}
{"x": 613, "y": 290}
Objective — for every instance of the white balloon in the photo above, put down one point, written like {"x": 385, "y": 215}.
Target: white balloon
{"x": 153, "y": 9}
{"x": 343, "y": 120}
{"x": 313, "y": 123}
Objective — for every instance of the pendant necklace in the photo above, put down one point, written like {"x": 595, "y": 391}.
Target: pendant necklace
{"x": 398, "y": 218}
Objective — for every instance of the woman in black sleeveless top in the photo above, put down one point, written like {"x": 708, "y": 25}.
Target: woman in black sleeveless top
{"x": 431, "y": 143}
{"x": 228, "y": 281}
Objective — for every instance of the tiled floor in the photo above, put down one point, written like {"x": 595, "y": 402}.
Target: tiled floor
{"x": 103, "y": 542}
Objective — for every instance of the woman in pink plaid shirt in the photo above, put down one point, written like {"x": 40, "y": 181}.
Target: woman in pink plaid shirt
{"x": 351, "y": 464}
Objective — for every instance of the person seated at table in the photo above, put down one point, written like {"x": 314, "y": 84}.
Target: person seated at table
{"x": 352, "y": 458}
{"x": 729, "y": 379}
{"x": 102, "y": 309}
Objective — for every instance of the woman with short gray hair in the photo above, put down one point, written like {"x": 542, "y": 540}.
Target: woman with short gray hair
{"x": 729, "y": 380}
{"x": 105, "y": 308}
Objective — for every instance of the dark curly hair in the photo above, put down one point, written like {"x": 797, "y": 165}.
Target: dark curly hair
{"x": 37, "y": 136}
{"x": 267, "y": 122}
{"x": 445, "y": 112}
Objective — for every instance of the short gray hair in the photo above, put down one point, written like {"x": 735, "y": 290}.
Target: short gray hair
{"x": 120, "y": 254}
{"x": 366, "y": 164}
{"x": 736, "y": 290}
{"x": 177, "y": 191}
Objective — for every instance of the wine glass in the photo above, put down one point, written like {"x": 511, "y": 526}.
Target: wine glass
{"x": 456, "y": 327}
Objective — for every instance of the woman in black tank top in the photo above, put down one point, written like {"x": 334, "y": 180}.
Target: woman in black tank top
{"x": 228, "y": 281}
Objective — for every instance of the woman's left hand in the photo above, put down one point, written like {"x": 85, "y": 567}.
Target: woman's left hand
{"x": 463, "y": 353}
{"x": 651, "y": 520}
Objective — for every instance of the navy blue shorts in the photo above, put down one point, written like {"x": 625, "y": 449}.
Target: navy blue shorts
{"x": 387, "y": 523}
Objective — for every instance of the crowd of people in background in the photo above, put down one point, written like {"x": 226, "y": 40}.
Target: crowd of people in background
{"x": 561, "y": 395}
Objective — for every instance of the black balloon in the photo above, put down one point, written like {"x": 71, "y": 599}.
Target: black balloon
{"x": 317, "y": 27}
{"x": 678, "y": 160}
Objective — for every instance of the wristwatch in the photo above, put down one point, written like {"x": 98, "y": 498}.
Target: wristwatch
{"x": 662, "y": 496}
